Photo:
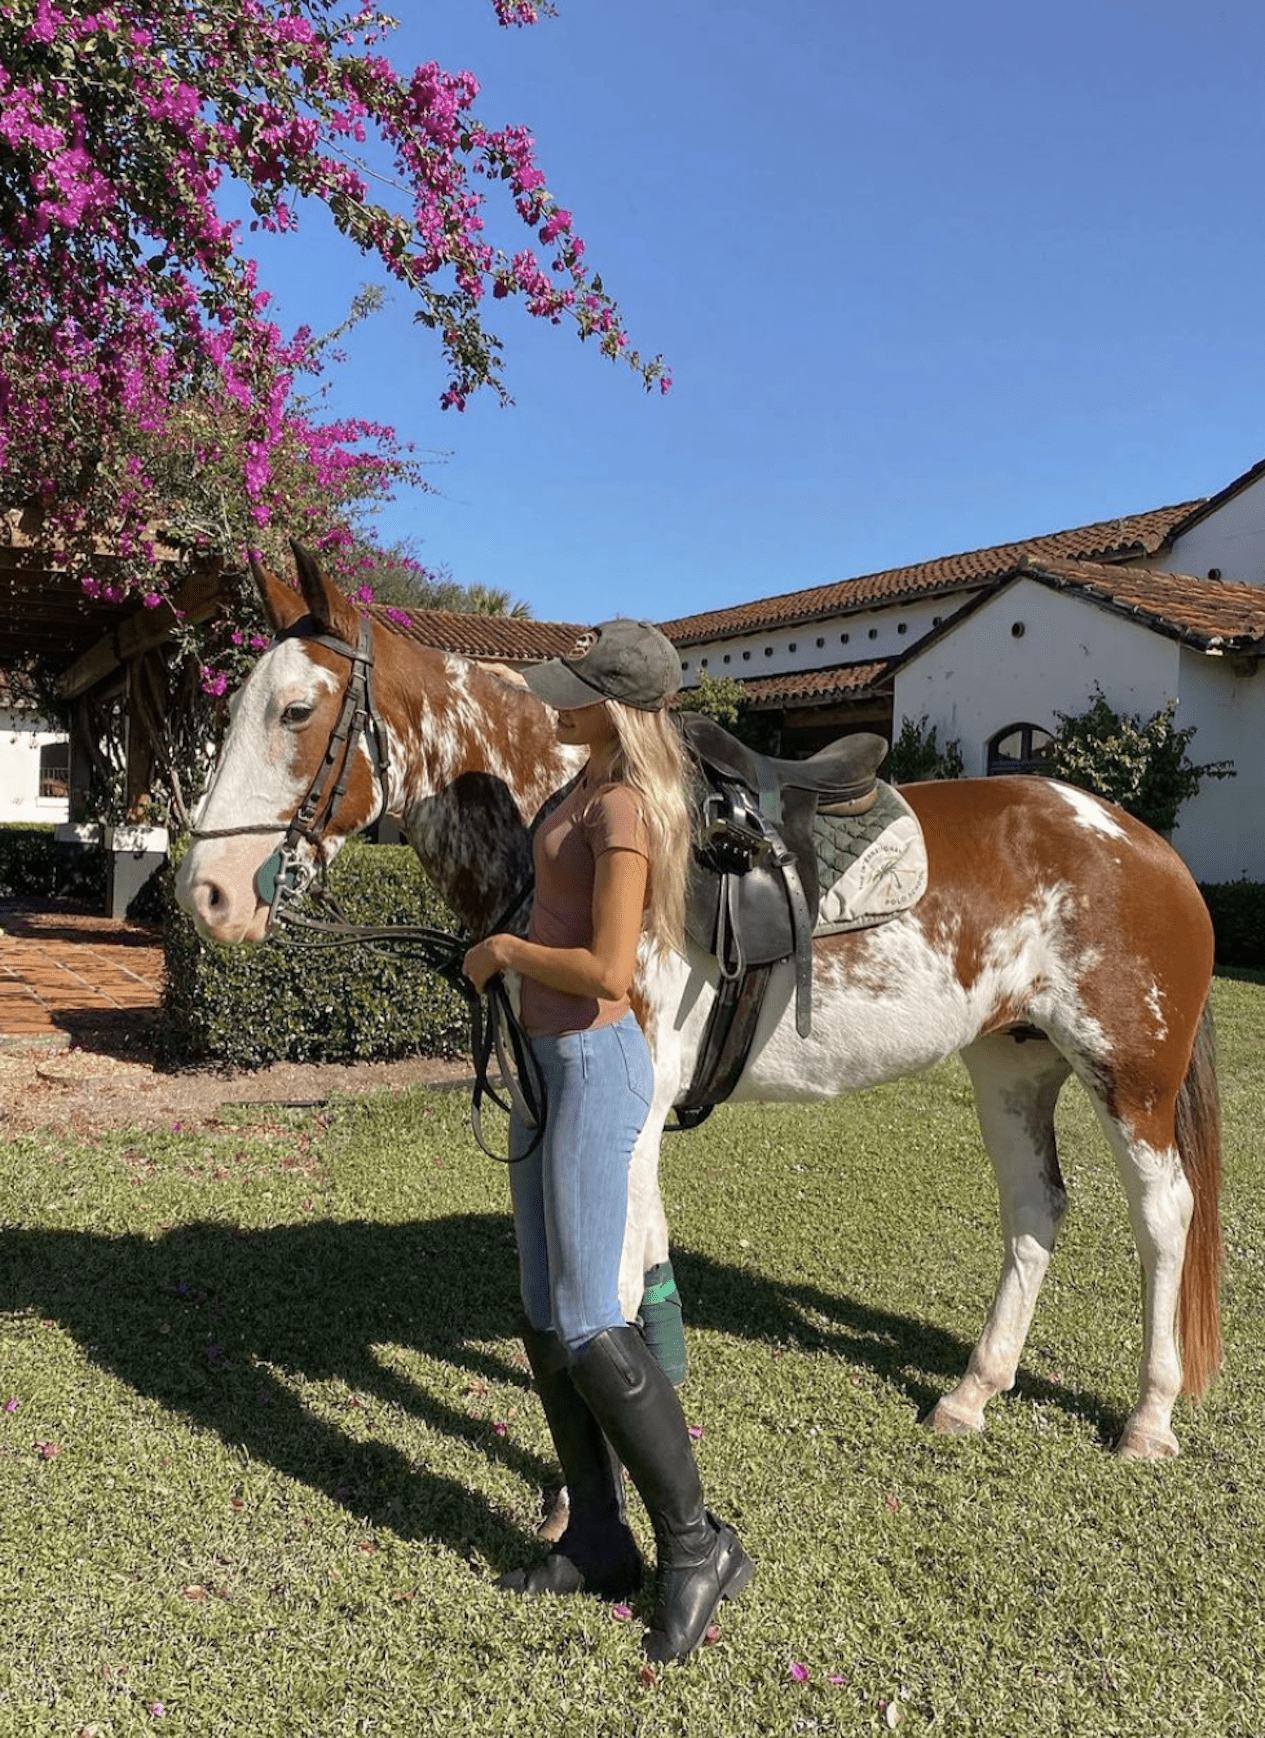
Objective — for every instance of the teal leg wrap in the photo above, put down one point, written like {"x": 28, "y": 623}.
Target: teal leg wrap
{"x": 659, "y": 1319}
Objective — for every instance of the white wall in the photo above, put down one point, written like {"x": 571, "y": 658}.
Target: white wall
{"x": 1232, "y": 538}
{"x": 982, "y": 675}
{"x": 1221, "y": 832}
{"x": 846, "y": 639}
{"x": 21, "y": 739}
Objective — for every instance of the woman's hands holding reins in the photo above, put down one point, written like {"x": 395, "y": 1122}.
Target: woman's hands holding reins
{"x": 488, "y": 957}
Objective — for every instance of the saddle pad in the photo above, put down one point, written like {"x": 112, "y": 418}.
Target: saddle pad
{"x": 870, "y": 867}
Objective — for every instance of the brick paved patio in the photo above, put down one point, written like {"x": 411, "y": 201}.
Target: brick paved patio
{"x": 70, "y": 974}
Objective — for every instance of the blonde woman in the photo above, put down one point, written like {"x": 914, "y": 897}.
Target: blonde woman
{"x": 610, "y": 861}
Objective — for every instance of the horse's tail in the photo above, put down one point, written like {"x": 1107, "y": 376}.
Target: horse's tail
{"x": 1199, "y": 1144}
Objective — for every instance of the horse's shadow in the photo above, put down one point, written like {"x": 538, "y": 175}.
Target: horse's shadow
{"x": 205, "y": 1318}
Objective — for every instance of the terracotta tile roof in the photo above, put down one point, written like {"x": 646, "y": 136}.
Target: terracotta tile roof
{"x": 1136, "y": 534}
{"x": 1201, "y": 509}
{"x": 508, "y": 639}
{"x": 1211, "y": 614}
{"x": 840, "y": 682}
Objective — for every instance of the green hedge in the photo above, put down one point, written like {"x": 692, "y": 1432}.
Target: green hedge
{"x": 294, "y": 1002}
{"x": 31, "y": 867}
{"x": 1238, "y": 920}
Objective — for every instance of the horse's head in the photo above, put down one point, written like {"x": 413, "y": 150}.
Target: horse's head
{"x": 298, "y": 772}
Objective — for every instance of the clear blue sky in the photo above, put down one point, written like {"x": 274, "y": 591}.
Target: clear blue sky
{"x": 929, "y": 276}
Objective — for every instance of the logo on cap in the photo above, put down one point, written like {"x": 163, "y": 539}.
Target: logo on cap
{"x": 585, "y": 643}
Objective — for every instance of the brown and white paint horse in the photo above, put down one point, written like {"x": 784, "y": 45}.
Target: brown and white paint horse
{"x": 1057, "y": 937}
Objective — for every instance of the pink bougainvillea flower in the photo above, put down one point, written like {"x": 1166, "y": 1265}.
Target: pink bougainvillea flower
{"x": 48, "y": 1450}
{"x": 10, "y": 1405}
{"x": 621, "y": 1613}
{"x": 696, "y": 1431}
{"x": 500, "y": 1427}
{"x": 799, "y": 1672}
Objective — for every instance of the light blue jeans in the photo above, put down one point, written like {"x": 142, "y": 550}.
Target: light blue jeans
{"x": 571, "y": 1195}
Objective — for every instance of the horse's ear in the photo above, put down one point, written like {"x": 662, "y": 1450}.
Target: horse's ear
{"x": 282, "y": 604}
{"x": 330, "y": 610}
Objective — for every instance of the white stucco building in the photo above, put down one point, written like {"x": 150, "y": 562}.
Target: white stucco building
{"x": 34, "y": 769}
{"x": 991, "y": 645}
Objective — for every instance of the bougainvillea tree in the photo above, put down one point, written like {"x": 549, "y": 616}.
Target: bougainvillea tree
{"x": 142, "y": 379}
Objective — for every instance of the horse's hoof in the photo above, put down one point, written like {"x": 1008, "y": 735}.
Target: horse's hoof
{"x": 1136, "y": 1444}
{"x": 945, "y": 1423}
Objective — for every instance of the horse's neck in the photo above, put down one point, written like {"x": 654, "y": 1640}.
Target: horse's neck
{"x": 475, "y": 758}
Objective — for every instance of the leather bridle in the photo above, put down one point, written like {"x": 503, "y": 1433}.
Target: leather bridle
{"x": 286, "y": 877}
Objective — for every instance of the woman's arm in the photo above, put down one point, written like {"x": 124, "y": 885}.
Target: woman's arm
{"x": 605, "y": 968}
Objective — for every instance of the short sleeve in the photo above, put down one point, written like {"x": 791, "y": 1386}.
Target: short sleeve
{"x": 613, "y": 822}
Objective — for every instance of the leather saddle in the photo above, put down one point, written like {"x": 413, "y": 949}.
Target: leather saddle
{"x": 753, "y": 893}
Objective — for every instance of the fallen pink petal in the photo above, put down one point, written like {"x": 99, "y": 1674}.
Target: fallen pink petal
{"x": 696, "y": 1430}
{"x": 621, "y": 1613}
{"x": 10, "y": 1405}
{"x": 799, "y": 1672}
{"x": 500, "y": 1427}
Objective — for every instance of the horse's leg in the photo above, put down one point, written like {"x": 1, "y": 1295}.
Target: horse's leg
{"x": 1016, "y": 1086}
{"x": 1160, "y": 1205}
{"x": 646, "y": 1230}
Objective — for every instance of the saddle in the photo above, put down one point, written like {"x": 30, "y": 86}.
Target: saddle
{"x": 753, "y": 894}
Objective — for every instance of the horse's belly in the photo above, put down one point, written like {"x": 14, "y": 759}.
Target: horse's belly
{"x": 878, "y": 1013}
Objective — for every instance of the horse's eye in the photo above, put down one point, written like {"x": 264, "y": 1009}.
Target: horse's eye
{"x": 298, "y": 712}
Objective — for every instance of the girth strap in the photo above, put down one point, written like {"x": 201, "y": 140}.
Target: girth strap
{"x": 726, "y": 1045}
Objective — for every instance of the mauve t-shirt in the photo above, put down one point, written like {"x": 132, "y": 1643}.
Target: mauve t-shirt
{"x": 565, "y": 851}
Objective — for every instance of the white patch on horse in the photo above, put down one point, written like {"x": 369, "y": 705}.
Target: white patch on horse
{"x": 1155, "y": 1007}
{"x": 255, "y": 782}
{"x": 1090, "y": 811}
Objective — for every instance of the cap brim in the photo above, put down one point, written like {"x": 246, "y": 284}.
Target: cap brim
{"x": 558, "y": 686}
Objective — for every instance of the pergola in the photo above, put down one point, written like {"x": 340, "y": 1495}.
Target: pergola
{"x": 106, "y": 653}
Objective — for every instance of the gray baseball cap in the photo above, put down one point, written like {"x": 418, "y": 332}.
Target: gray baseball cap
{"x": 620, "y": 660}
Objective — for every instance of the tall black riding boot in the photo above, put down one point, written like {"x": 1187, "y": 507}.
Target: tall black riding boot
{"x": 597, "y": 1553}
{"x": 701, "y": 1560}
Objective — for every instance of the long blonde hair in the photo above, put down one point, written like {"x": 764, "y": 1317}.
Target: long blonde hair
{"x": 651, "y": 758}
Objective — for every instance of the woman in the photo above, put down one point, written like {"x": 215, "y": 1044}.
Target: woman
{"x": 605, "y": 1397}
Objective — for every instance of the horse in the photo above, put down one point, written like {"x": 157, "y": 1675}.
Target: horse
{"x": 1057, "y": 937}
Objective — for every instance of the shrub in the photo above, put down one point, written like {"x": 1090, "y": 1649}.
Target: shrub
{"x": 293, "y": 1001}
{"x": 32, "y": 866}
{"x": 1143, "y": 766}
{"x": 1238, "y": 920}
{"x": 916, "y": 755}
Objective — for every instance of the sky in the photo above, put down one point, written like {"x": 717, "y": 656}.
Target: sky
{"x": 927, "y": 277}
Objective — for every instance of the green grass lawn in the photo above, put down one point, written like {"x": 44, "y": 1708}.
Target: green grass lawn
{"x": 266, "y": 1439}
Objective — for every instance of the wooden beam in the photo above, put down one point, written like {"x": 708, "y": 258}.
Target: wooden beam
{"x": 141, "y": 632}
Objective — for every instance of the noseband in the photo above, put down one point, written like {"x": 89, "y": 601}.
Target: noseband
{"x": 284, "y": 876}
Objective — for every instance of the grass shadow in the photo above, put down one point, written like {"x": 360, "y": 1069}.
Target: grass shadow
{"x": 908, "y": 1353}
{"x": 203, "y": 1317}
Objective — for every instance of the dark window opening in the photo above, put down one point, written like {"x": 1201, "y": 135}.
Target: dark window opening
{"x": 1019, "y": 748}
{"x": 54, "y": 769}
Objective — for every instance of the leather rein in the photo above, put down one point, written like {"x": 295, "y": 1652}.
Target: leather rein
{"x": 286, "y": 878}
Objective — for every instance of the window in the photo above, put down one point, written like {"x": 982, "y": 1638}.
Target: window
{"x": 1018, "y": 748}
{"x": 54, "y": 769}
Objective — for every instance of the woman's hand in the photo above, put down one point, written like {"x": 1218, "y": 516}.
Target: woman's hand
{"x": 486, "y": 958}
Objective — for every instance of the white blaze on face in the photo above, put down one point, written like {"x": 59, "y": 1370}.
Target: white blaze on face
{"x": 1090, "y": 811}
{"x": 254, "y": 785}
